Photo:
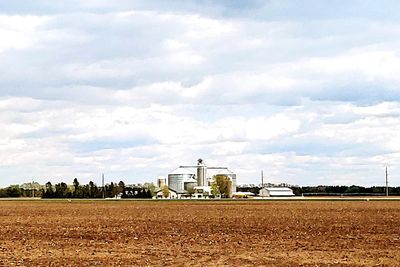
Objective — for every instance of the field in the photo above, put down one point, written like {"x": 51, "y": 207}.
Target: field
{"x": 198, "y": 233}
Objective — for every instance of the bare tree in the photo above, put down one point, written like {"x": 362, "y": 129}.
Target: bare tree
{"x": 165, "y": 191}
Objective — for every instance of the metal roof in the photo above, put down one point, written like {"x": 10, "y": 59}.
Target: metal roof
{"x": 278, "y": 189}
{"x": 181, "y": 171}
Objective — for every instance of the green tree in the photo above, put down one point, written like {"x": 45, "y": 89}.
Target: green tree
{"x": 3, "y": 192}
{"x": 61, "y": 190}
{"x": 214, "y": 189}
{"x": 14, "y": 191}
{"x": 91, "y": 189}
{"x": 121, "y": 188}
{"x": 151, "y": 189}
{"x": 85, "y": 191}
{"x": 110, "y": 190}
{"x": 49, "y": 192}
{"x": 77, "y": 189}
{"x": 149, "y": 194}
{"x": 114, "y": 190}
{"x": 223, "y": 184}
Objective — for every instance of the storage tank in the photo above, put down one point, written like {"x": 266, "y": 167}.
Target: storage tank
{"x": 189, "y": 185}
{"x": 201, "y": 173}
{"x": 233, "y": 177}
{"x": 177, "y": 179}
{"x": 161, "y": 181}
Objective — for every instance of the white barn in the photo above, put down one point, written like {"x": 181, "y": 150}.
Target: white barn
{"x": 172, "y": 194}
{"x": 276, "y": 192}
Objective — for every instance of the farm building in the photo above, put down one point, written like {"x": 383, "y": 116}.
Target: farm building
{"x": 180, "y": 179}
{"x": 276, "y": 192}
{"x": 201, "y": 191}
{"x": 195, "y": 179}
{"x": 172, "y": 194}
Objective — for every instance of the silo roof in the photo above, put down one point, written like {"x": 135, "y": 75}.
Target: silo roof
{"x": 181, "y": 171}
{"x": 220, "y": 171}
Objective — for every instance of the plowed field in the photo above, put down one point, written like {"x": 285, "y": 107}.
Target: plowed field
{"x": 199, "y": 233}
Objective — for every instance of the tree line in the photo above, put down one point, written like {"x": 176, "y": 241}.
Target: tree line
{"x": 322, "y": 190}
{"x": 91, "y": 190}
{"x": 222, "y": 188}
{"x": 17, "y": 191}
{"x": 344, "y": 190}
{"x": 77, "y": 190}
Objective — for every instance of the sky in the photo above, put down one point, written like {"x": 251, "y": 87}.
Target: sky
{"x": 307, "y": 91}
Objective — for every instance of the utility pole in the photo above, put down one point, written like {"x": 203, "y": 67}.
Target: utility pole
{"x": 104, "y": 189}
{"x": 262, "y": 182}
{"x": 387, "y": 184}
{"x": 262, "y": 178}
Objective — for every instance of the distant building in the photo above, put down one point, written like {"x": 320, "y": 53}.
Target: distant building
{"x": 161, "y": 182}
{"x": 276, "y": 192}
{"x": 202, "y": 192}
{"x": 172, "y": 194}
{"x": 187, "y": 180}
{"x": 178, "y": 178}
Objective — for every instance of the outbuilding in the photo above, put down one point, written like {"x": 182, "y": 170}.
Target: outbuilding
{"x": 171, "y": 195}
{"x": 276, "y": 192}
{"x": 202, "y": 192}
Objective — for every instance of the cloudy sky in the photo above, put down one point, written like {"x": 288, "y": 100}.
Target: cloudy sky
{"x": 308, "y": 91}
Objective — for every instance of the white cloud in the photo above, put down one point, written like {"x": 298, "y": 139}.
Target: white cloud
{"x": 19, "y": 32}
{"x": 140, "y": 143}
{"x": 134, "y": 89}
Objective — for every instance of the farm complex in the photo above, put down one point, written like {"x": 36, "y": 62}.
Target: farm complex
{"x": 197, "y": 178}
{"x": 198, "y": 233}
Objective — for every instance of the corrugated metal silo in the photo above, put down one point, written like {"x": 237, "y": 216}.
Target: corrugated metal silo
{"x": 177, "y": 179}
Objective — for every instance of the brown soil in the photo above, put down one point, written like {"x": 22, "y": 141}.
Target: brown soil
{"x": 198, "y": 233}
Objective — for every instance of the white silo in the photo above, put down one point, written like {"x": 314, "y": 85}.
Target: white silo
{"x": 178, "y": 177}
{"x": 161, "y": 181}
{"x": 201, "y": 173}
